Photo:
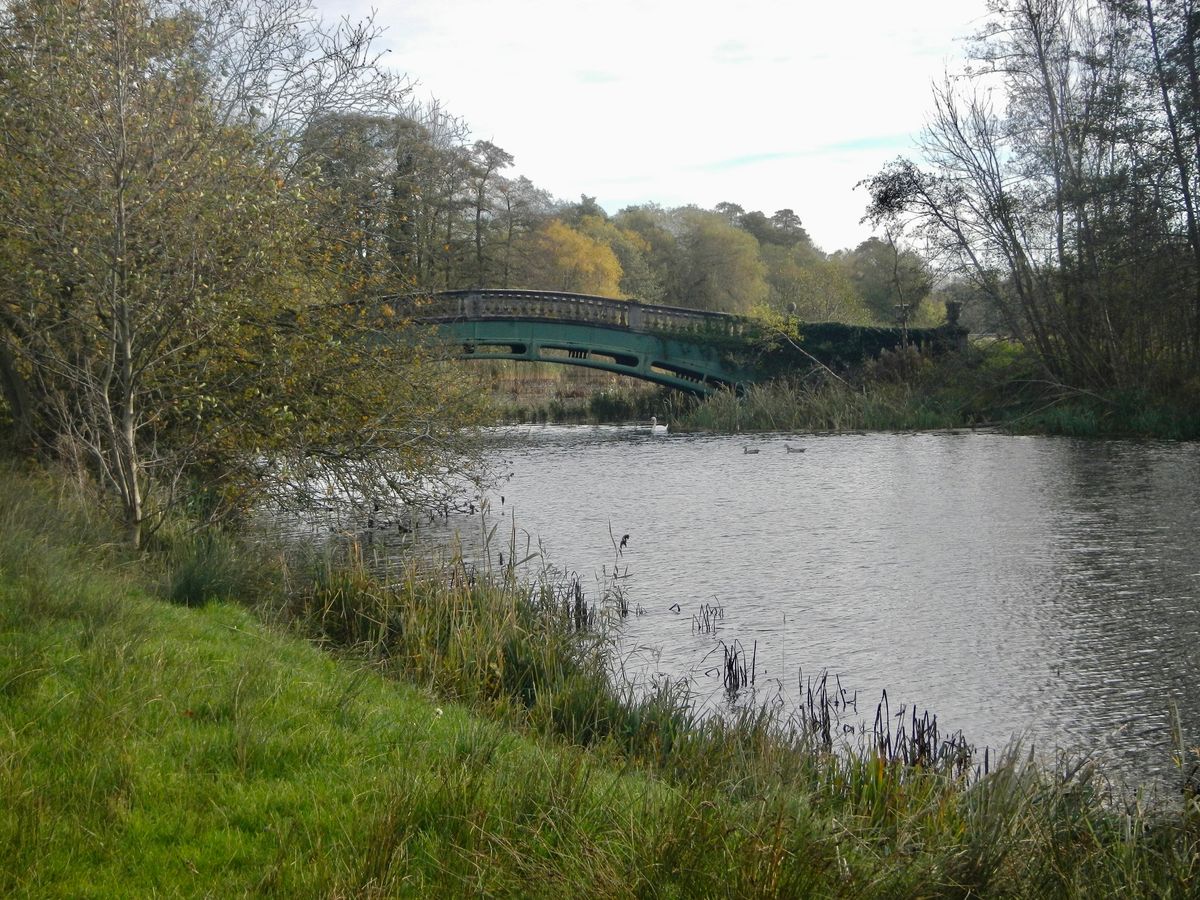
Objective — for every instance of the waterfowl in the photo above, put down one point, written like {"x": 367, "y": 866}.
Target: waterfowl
{"x": 790, "y": 449}
{"x": 750, "y": 450}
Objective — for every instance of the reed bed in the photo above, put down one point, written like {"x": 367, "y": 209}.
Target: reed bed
{"x": 791, "y": 406}
{"x": 992, "y": 386}
{"x": 903, "y": 789}
{"x": 736, "y": 672}
{"x": 708, "y": 618}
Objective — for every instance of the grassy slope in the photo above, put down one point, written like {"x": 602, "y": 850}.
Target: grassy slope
{"x": 147, "y": 748}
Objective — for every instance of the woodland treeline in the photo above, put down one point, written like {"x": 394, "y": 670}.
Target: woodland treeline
{"x": 431, "y": 210}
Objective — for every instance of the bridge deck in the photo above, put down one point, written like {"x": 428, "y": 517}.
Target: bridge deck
{"x": 476, "y": 305}
{"x": 690, "y": 349}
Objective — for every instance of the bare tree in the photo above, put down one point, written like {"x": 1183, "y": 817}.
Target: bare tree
{"x": 1051, "y": 200}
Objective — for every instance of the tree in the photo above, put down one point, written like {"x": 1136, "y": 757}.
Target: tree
{"x": 812, "y": 290}
{"x": 783, "y": 228}
{"x": 632, "y": 251}
{"x": 721, "y": 268}
{"x": 658, "y": 232}
{"x": 731, "y": 211}
{"x": 788, "y": 228}
{"x": 165, "y": 309}
{"x": 1071, "y": 205}
{"x": 891, "y": 281}
{"x": 486, "y": 161}
{"x": 522, "y": 206}
{"x": 355, "y": 168}
{"x": 1172, "y": 60}
{"x": 565, "y": 259}
{"x": 587, "y": 207}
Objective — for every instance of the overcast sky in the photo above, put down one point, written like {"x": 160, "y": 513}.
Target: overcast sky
{"x": 764, "y": 103}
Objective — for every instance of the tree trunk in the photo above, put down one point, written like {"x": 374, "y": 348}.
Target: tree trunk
{"x": 20, "y": 404}
{"x": 1181, "y": 163}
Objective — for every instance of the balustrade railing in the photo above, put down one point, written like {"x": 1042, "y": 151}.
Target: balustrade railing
{"x": 476, "y": 305}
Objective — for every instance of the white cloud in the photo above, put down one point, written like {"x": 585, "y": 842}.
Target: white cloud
{"x": 764, "y": 103}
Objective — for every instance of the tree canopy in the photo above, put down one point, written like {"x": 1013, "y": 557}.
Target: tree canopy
{"x": 168, "y": 295}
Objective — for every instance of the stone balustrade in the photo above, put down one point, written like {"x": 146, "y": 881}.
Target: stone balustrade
{"x": 475, "y": 305}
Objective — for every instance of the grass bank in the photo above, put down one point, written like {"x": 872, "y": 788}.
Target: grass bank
{"x": 993, "y": 386}
{"x": 452, "y": 733}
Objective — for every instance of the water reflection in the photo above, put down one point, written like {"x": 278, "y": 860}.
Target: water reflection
{"x": 1033, "y": 587}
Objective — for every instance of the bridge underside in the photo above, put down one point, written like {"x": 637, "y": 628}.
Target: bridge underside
{"x": 684, "y": 365}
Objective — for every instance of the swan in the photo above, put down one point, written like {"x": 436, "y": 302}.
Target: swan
{"x": 655, "y": 428}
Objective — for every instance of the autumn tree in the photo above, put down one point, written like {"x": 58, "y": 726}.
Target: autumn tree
{"x": 164, "y": 312}
{"x": 657, "y": 231}
{"x": 632, "y": 252}
{"x": 563, "y": 258}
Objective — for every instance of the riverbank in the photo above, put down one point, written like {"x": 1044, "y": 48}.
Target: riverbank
{"x": 989, "y": 386}
{"x": 994, "y": 386}
{"x": 312, "y": 731}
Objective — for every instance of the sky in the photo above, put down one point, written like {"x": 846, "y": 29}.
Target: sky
{"x": 769, "y": 104}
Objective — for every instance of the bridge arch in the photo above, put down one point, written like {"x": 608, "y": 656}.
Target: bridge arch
{"x": 688, "y": 349}
{"x": 685, "y": 349}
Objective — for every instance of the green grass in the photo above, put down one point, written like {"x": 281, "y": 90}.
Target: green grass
{"x": 452, "y": 736}
{"x": 1133, "y": 413}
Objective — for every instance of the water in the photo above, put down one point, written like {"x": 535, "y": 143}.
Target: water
{"x": 1029, "y": 587}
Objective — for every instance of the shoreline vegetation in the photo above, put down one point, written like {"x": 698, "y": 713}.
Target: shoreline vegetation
{"x": 206, "y": 716}
{"x": 996, "y": 385}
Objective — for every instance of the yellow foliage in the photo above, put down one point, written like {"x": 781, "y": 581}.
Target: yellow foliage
{"x": 566, "y": 259}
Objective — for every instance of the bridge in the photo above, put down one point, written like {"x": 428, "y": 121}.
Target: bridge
{"x": 688, "y": 349}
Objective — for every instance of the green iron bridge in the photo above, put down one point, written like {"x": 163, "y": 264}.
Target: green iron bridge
{"x": 688, "y": 349}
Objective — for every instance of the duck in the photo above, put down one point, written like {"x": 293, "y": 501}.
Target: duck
{"x": 750, "y": 450}
{"x": 790, "y": 449}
